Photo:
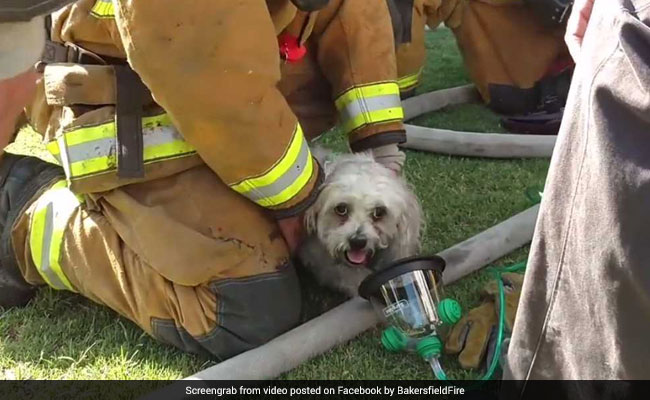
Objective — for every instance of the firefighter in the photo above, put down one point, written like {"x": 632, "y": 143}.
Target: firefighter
{"x": 317, "y": 68}
{"x": 513, "y": 51}
{"x": 184, "y": 172}
{"x": 410, "y": 17}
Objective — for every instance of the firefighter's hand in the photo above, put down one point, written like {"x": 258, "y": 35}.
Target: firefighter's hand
{"x": 577, "y": 26}
{"x": 15, "y": 94}
{"x": 292, "y": 230}
{"x": 390, "y": 156}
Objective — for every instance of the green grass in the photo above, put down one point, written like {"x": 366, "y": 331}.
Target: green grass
{"x": 63, "y": 336}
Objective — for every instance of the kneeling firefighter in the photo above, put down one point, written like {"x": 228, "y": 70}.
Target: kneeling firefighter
{"x": 183, "y": 172}
{"x": 514, "y": 52}
{"x": 332, "y": 55}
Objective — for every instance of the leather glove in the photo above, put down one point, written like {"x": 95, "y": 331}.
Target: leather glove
{"x": 475, "y": 334}
{"x": 471, "y": 335}
{"x": 512, "y": 283}
{"x": 390, "y": 156}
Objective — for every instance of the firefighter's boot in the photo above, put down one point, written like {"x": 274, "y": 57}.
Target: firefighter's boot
{"x": 21, "y": 179}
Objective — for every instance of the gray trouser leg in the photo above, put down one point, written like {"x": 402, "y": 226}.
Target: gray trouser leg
{"x": 585, "y": 306}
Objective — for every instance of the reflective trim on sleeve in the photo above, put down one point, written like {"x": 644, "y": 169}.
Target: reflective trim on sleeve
{"x": 409, "y": 81}
{"x": 285, "y": 179}
{"x": 48, "y": 223}
{"x": 92, "y": 150}
{"x": 103, "y": 9}
{"x": 371, "y": 104}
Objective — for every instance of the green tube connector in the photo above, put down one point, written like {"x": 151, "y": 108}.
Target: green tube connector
{"x": 393, "y": 339}
{"x": 429, "y": 347}
{"x": 449, "y": 311}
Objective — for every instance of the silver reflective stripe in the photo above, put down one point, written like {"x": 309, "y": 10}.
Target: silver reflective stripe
{"x": 285, "y": 180}
{"x": 370, "y": 104}
{"x": 160, "y": 135}
{"x": 106, "y": 146}
{"x": 90, "y": 150}
{"x": 48, "y": 230}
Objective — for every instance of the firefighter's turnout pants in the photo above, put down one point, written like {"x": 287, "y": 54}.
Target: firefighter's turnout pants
{"x": 506, "y": 47}
{"x": 175, "y": 229}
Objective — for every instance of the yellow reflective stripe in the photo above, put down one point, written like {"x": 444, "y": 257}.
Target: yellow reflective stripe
{"x": 108, "y": 130}
{"x": 103, "y": 9}
{"x": 90, "y": 133}
{"x": 167, "y": 150}
{"x": 91, "y": 150}
{"x": 278, "y": 169}
{"x": 53, "y": 148}
{"x": 373, "y": 117}
{"x": 409, "y": 81}
{"x": 364, "y": 92}
{"x": 292, "y": 190}
{"x": 36, "y": 233}
{"x": 107, "y": 163}
{"x": 49, "y": 221}
{"x": 94, "y": 165}
{"x": 285, "y": 179}
{"x": 369, "y": 104}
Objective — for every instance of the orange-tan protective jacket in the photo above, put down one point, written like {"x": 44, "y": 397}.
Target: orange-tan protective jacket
{"x": 338, "y": 76}
{"x": 211, "y": 70}
{"x": 410, "y": 50}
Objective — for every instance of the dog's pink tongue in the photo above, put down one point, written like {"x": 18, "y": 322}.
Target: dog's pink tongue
{"x": 357, "y": 256}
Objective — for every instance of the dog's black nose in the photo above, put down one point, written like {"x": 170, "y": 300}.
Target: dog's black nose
{"x": 358, "y": 242}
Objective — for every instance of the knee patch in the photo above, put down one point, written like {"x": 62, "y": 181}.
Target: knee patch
{"x": 250, "y": 312}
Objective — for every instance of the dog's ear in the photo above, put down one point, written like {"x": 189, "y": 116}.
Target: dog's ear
{"x": 410, "y": 225}
{"x": 310, "y": 220}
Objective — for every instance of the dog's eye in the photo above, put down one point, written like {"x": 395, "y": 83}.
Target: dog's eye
{"x": 378, "y": 213}
{"x": 341, "y": 209}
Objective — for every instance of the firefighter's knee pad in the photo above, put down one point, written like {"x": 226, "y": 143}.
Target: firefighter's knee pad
{"x": 21, "y": 179}
{"x": 250, "y": 312}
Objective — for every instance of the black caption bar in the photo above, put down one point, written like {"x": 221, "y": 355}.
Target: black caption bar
{"x": 217, "y": 390}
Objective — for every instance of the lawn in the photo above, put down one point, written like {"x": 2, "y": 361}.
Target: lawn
{"x": 63, "y": 336}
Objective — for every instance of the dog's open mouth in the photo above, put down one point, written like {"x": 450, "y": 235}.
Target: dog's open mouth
{"x": 358, "y": 257}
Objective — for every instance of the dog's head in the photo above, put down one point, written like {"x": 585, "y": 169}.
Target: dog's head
{"x": 365, "y": 215}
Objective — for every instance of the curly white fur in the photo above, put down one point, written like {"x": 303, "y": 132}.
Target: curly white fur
{"x": 382, "y": 213}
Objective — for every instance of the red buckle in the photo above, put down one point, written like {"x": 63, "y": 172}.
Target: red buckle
{"x": 290, "y": 50}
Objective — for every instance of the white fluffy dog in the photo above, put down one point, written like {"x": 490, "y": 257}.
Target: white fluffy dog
{"x": 365, "y": 216}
